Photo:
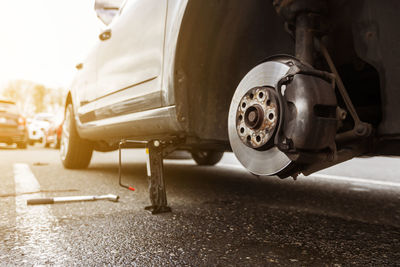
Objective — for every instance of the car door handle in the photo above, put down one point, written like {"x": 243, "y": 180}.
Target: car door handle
{"x": 105, "y": 35}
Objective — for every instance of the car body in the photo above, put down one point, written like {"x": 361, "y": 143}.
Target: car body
{"x": 12, "y": 125}
{"x": 38, "y": 126}
{"x": 167, "y": 69}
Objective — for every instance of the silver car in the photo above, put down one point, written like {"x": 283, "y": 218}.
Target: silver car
{"x": 289, "y": 86}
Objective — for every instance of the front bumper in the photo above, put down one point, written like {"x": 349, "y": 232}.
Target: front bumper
{"x": 36, "y": 135}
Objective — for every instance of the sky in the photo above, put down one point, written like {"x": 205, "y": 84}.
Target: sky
{"x": 43, "y": 40}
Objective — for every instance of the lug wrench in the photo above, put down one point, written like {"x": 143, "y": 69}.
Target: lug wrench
{"x": 39, "y": 201}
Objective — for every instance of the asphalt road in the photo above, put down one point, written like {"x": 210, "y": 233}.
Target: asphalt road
{"x": 222, "y": 215}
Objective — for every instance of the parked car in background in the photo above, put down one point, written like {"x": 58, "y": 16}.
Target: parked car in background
{"x": 52, "y": 135}
{"x": 39, "y": 125}
{"x": 12, "y": 125}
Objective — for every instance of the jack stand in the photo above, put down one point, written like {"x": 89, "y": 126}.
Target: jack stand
{"x": 155, "y": 173}
{"x": 156, "y": 150}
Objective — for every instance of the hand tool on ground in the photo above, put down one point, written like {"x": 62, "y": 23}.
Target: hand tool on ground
{"x": 39, "y": 201}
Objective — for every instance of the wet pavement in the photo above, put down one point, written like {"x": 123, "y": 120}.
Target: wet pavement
{"x": 222, "y": 216}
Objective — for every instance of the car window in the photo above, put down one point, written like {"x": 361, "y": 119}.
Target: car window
{"x": 107, "y": 10}
{"x": 8, "y": 107}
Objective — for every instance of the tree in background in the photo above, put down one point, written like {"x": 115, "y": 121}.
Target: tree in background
{"x": 39, "y": 98}
{"x": 19, "y": 91}
{"x": 33, "y": 98}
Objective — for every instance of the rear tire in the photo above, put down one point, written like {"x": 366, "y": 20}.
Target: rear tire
{"x": 207, "y": 158}
{"x": 56, "y": 142}
{"x": 44, "y": 142}
{"x": 75, "y": 152}
{"x": 22, "y": 145}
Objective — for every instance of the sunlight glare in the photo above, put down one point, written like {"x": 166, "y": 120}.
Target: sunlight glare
{"x": 43, "y": 40}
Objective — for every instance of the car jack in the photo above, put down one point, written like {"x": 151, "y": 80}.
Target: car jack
{"x": 156, "y": 150}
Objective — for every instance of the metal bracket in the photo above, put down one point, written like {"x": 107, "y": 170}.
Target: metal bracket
{"x": 156, "y": 150}
{"x": 360, "y": 129}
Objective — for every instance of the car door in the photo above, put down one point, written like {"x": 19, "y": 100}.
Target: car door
{"x": 129, "y": 57}
{"x": 84, "y": 83}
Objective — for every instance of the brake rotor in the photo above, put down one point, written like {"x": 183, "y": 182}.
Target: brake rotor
{"x": 253, "y": 118}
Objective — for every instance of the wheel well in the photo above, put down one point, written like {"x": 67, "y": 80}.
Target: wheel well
{"x": 219, "y": 42}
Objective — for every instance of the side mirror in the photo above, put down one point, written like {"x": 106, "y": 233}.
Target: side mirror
{"x": 106, "y": 10}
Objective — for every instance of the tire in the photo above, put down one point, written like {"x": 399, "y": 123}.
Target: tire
{"x": 207, "y": 158}
{"x": 75, "y": 152}
{"x": 44, "y": 142}
{"x": 22, "y": 145}
{"x": 56, "y": 142}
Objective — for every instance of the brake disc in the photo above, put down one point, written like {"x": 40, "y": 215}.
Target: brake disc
{"x": 253, "y": 117}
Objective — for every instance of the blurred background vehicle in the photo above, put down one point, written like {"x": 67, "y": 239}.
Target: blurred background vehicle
{"x": 12, "y": 125}
{"x": 37, "y": 128}
{"x": 52, "y": 135}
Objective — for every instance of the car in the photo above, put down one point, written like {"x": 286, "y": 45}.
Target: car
{"x": 13, "y": 128}
{"x": 38, "y": 126}
{"x": 52, "y": 135}
{"x": 291, "y": 87}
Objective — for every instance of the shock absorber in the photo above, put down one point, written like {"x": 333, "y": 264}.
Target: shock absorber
{"x": 305, "y": 19}
{"x": 304, "y": 38}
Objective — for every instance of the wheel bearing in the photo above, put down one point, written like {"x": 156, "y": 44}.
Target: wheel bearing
{"x": 257, "y": 117}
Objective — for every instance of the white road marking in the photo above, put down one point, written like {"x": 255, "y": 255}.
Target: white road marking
{"x": 355, "y": 180}
{"x": 36, "y": 226}
{"x": 24, "y": 179}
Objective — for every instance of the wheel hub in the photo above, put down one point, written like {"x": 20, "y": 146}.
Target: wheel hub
{"x": 253, "y": 120}
{"x": 257, "y": 117}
